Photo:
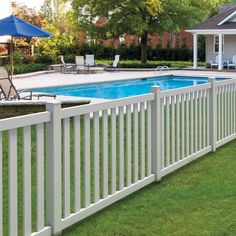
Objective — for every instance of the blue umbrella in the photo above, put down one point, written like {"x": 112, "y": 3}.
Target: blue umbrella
{"x": 16, "y": 27}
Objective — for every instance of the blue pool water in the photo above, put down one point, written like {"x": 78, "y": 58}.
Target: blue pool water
{"x": 114, "y": 90}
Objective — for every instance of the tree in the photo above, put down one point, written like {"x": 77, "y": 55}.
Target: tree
{"x": 141, "y": 17}
{"x": 24, "y": 45}
{"x": 58, "y": 19}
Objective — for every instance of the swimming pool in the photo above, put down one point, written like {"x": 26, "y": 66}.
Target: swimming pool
{"x": 125, "y": 88}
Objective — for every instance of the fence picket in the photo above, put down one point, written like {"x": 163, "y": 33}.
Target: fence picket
{"x": 162, "y": 134}
{"x": 27, "y": 179}
{"x": 208, "y": 118}
{"x": 66, "y": 158}
{"x": 218, "y": 114}
{"x": 200, "y": 119}
{"x": 233, "y": 108}
{"x": 173, "y": 153}
{"x": 12, "y": 182}
{"x": 105, "y": 153}
{"x": 136, "y": 148}
{"x": 128, "y": 145}
{"x": 187, "y": 124}
{"x": 204, "y": 119}
{"x": 87, "y": 160}
{"x": 142, "y": 139}
{"x": 177, "y": 128}
{"x": 113, "y": 151}
{"x": 196, "y": 121}
{"x": 225, "y": 112}
{"x": 182, "y": 126}
{"x": 149, "y": 128}
{"x": 191, "y": 124}
{"x": 40, "y": 176}
{"x": 222, "y": 113}
{"x": 96, "y": 156}
{"x": 167, "y": 131}
{"x": 121, "y": 148}
{"x": 77, "y": 171}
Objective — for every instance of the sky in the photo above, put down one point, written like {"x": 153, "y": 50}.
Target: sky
{"x": 31, "y": 3}
{"x": 5, "y": 9}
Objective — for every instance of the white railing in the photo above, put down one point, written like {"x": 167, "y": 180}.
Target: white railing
{"x": 67, "y": 164}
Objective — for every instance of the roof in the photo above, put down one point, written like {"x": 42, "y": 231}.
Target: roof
{"x": 220, "y": 21}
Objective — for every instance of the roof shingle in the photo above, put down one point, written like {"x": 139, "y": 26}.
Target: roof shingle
{"x": 212, "y": 23}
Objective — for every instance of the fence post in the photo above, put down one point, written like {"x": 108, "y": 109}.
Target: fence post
{"x": 156, "y": 132}
{"x": 213, "y": 113}
{"x": 53, "y": 167}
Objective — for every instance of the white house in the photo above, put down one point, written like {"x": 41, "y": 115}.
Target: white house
{"x": 220, "y": 32}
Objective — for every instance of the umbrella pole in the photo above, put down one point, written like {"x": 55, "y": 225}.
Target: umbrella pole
{"x": 11, "y": 51}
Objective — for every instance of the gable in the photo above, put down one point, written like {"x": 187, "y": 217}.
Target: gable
{"x": 229, "y": 19}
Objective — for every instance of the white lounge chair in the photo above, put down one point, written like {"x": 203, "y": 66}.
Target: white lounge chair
{"x": 231, "y": 63}
{"x": 115, "y": 63}
{"x": 67, "y": 67}
{"x": 215, "y": 63}
{"x": 80, "y": 64}
{"x": 89, "y": 60}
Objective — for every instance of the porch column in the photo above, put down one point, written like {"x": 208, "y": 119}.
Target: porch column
{"x": 195, "y": 37}
{"x": 220, "y": 64}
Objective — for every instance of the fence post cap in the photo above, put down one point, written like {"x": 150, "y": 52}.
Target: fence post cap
{"x": 52, "y": 105}
{"x": 211, "y": 79}
{"x": 155, "y": 89}
{"x": 53, "y": 102}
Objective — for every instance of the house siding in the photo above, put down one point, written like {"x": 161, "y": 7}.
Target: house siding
{"x": 229, "y": 48}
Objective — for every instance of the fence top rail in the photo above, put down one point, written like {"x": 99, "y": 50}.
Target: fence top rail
{"x": 180, "y": 91}
{"x": 26, "y": 120}
{"x": 225, "y": 82}
{"x": 95, "y": 107}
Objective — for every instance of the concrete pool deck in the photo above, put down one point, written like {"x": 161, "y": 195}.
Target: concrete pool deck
{"x": 58, "y": 79}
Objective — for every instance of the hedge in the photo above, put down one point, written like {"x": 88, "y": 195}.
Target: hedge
{"x": 133, "y": 52}
{"x": 27, "y": 68}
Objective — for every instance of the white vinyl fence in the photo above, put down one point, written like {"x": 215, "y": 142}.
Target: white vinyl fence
{"x": 60, "y": 166}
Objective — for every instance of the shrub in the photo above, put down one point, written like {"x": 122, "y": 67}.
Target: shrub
{"x": 44, "y": 59}
{"x": 17, "y": 57}
{"x": 28, "y": 68}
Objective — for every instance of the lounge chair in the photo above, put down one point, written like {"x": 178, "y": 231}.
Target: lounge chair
{"x": 231, "y": 63}
{"x": 115, "y": 63}
{"x": 80, "y": 64}
{"x": 9, "y": 91}
{"x": 67, "y": 67}
{"x": 89, "y": 60}
{"x": 215, "y": 63}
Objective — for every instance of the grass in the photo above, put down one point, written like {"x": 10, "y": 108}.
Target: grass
{"x": 198, "y": 199}
{"x": 150, "y": 64}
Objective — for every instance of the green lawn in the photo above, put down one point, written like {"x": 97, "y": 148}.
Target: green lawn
{"x": 150, "y": 64}
{"x": 199, "y": 199}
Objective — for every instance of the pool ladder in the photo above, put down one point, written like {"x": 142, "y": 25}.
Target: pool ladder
{"x": 162, "y": 68}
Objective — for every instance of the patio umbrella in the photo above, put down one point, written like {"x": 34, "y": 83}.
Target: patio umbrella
{"x": 16, "y": 27}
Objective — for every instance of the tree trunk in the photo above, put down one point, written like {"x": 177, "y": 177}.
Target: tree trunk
{"x": 144, "y": 39}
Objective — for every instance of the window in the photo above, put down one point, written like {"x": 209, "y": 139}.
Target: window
{"x": 216, "y": 43}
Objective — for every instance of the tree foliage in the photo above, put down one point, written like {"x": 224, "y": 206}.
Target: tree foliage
{"x": 58, "y": 19}
{"x": 141, "y": 17}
